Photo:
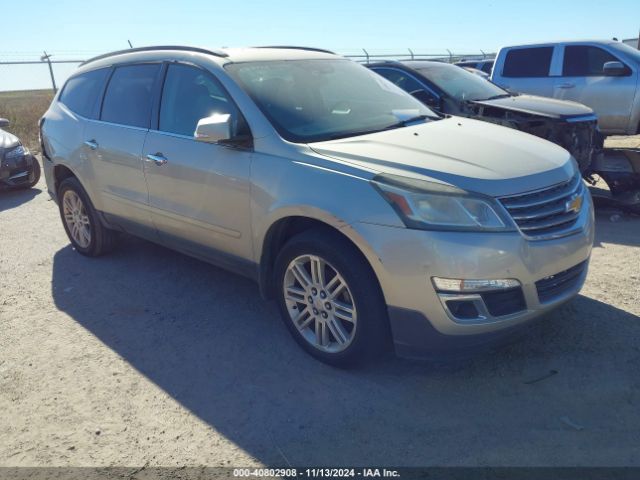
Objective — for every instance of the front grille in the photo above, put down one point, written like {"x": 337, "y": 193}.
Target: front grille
{"x": 546, "y": 213}
{"x": 504, "y": 302}
{"x": 555, "y": 285}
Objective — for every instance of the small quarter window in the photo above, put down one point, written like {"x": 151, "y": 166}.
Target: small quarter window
{"x": 80, "y": 93}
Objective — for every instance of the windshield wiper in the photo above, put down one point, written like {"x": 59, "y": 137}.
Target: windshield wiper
{"x": 495, "y": 97}
{"x": 402, "y": 123}
{"x": 355, "y": 133}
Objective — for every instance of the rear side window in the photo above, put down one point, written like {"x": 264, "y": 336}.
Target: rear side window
{"x": 585, "y": 61}
{"x": 127, "y": 100}
{"x": 528, "y": 62}
{"x": 80, "y": 94}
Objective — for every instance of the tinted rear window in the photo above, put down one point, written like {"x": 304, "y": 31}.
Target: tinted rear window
{"x": 128, "y": 97}
{"x": 528, "y": 62}
{"x": 80, "y": 94}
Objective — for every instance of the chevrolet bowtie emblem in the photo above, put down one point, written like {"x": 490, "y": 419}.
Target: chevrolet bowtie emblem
{"x": 574, "y": 205}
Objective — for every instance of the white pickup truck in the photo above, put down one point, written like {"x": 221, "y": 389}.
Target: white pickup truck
{"x": 600, "y": 74}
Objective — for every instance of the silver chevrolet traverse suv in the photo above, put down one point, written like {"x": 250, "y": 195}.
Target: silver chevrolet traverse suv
{"x": 369, "y": 218}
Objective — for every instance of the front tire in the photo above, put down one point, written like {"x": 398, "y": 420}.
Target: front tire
{"x": 35, "y": 174}
{"x": 330, "y": 299}
{"x": 80, "y": 219}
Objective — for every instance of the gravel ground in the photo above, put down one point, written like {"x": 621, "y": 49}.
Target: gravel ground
{"x": 149, "y": 357}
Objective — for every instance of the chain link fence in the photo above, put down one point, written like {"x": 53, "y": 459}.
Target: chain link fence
{"x": 40, "y": 71}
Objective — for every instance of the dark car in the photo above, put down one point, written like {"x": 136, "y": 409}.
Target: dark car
{"x": 18, "y": 167}
{"x": 483, "y": 65}
{"x": 449, "y": 89}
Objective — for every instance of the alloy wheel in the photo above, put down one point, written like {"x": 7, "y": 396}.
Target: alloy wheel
{"x": 76, "y": 218}
{"x": 319, "y": 303}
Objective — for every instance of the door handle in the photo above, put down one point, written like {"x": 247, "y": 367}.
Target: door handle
{"x": 566, "y": 85}
{"x": 92, "y": 144}
{"x": 156, "y": 158}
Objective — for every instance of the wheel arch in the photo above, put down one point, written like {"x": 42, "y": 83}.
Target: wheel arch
{"x": 289, "y": 225}
{"x": 60, "y": 173}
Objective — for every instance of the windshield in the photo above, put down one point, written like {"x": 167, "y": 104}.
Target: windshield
{"x": 459, "y": 83}
{"x": 316, "y": 100}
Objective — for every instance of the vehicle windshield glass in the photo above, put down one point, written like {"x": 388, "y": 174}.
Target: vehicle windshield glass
{"x": 458, "y": 82}
{"x": 317, "y": 100}
{"x": 626, "y": 50}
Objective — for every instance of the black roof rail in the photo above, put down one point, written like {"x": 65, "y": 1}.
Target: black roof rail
{"x": 292, "y": 47}
{"x": 217, "y": 53}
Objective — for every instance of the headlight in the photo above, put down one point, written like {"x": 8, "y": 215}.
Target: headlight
{"x": 433, "y": 206}
{"x": 16, "y": 152}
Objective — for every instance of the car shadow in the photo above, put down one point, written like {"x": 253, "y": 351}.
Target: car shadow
{"x": 206, "y": 338}
{"x": 618, "y": 228}
{"x": 12, "y": 198}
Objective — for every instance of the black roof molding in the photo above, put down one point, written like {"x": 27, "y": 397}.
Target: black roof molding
{"x": 182, "y": 48}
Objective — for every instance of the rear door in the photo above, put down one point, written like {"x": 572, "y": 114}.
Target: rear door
{"x": 582, "y": 80}
{"x": 115, "y": 143}
{"x": 64, "y": 129}
{"x": 528, "y": 70}
{"x": 200, "y": 192}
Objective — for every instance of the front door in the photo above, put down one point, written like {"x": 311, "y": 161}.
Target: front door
{"x": 583, "y": 81}
{"x": 198, "y": 192}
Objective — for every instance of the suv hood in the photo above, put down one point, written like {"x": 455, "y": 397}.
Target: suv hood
{"x": 543, "y": 106}
{"x": 473, "y": 155}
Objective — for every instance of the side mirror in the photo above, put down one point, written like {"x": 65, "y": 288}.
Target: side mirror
{"x": 614, "y": 69}
{"x": 428, "y": 99}
{"x": 214, "y": 129}
{"x": 4, "y": 122}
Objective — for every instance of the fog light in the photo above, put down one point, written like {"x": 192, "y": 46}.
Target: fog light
{"x": 464, "y": 309}
{"x": 461, "y": 285}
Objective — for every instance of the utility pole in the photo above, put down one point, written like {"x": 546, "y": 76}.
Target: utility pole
{"x": 638, "y": 40}
{"x": 47, "y": 58}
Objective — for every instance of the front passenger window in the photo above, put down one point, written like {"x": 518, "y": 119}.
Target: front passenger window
{"x": 190, "y": 94}
{"x": 585, "y": 61}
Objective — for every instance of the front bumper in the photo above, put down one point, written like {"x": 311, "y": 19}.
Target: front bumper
{"x": 49, "y": 176}
{"x": 405, "y": 260}
{"x": 17, "y": 172}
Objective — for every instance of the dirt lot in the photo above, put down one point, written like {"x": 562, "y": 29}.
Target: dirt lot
{"x": 148, "y": 357}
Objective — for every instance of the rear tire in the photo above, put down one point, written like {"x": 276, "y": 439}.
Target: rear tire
{"x": 81, "y": 222}
{"x": 333, "y": 305}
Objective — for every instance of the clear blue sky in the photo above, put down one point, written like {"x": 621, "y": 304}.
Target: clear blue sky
{"x": 80, "y": 28}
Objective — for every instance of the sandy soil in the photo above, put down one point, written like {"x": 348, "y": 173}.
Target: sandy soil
{"x": 148, "y": 357}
